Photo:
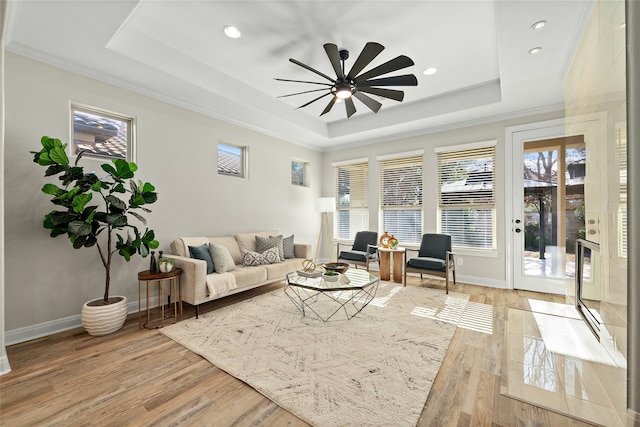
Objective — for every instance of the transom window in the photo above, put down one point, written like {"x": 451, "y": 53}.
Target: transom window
{"x": 466, "y": 195}
{"x": 101, "y": 134}
{"x": 352, "y": 198}
{"x": 232, "y": 160}
{"x": 401, "y": 196}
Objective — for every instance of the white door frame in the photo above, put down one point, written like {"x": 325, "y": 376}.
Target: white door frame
{"x": 591, "y": 126}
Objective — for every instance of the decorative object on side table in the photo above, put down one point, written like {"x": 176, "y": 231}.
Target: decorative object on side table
{"x": 166, "y": 265}
{"x": 384, "y": 240}
{"x": 84, "y": 223}
{"x": 393, "y": 242}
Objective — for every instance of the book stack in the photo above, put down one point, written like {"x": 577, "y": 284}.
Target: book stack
{"x": 312, "y": 273}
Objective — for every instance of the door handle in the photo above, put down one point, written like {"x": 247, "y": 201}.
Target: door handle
{"x": 517, "y": 230}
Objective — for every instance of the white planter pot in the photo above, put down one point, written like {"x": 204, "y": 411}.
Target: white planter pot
{"x": 104, "y": 319}
{"x": 166, "y": 267}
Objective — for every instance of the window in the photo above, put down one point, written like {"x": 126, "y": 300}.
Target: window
{"x": 300, "y": 173}
{"x": 621, "y": 155}
{"x": 231, "y": 160}
{"x": 101, "y": 134}
{"x": 466, "y": 195}
{"x": 401, "y": 196}
{"x": 352, "y": 198}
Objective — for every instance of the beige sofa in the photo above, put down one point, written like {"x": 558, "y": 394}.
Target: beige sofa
{"x": 199, "y": 287}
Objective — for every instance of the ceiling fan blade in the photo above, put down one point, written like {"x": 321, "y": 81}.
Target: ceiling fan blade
{"x": 334, "y": 57}
{"x": 313, "y": 100}
{"x": 395, "y": 64}
{"x": 313, "y": 70}
{"x": 368, "y": 101}
{"x": 329, "y": 105}
{"x": 303, "y": 81}
{"x": 368, "y": 54}
{"x": 300, "y": 93}
{"x": 396, "y": 95}
{"x": 351, "y": 109}
{"x": 404, "y": 80}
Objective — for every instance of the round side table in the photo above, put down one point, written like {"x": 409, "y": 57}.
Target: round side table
{"x": 172, "y": 279}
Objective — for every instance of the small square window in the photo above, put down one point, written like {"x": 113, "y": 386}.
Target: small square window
{"x": 101, "y": 134}
{"x": 231, "y": 160}
{"x": 300, "y": 173}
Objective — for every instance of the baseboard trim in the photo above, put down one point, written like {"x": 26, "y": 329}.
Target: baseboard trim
{"x": 28, "y": 333}
{"x": 4, "y": 365}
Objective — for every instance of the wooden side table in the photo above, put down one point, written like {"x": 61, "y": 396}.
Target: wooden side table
{"x": 172, "y": 279}
{"x": 399, "y": 258}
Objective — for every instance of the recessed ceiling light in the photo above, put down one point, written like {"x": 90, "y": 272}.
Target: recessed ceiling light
{"x": 232, "y": 32}
{"x": 534, "y": 50}
{"x": 538, "y": 25}
{"x": 429, "y": 71}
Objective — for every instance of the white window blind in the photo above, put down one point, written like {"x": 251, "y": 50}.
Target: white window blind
{"x": 401, "y": 197}
{"x": 466, "y": 196}
{"x": 352, "y": 199}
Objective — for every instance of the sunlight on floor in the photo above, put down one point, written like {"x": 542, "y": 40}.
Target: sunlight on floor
{"x": 458, "y": 311}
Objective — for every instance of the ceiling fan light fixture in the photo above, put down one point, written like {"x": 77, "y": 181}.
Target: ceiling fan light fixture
{"x": 343, "y": 90}
{"x": 232, "y": 32}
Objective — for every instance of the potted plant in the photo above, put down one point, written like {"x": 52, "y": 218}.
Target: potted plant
{"x": 166, "y": 265}
{"x": 331, "y": 276}
{"x": 93, "y": 211}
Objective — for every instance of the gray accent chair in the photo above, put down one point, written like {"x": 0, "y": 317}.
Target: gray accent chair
{"x": 363, "y": 252}
{"x": 434, "y": 258}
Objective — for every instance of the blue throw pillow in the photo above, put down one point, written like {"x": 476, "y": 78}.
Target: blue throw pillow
{"x": 202, "y": 252}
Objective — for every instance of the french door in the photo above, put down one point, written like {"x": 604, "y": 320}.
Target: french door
{"x": 549, "y": 202}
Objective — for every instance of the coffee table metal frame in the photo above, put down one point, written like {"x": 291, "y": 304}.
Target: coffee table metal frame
{"x": 351, "y": 294}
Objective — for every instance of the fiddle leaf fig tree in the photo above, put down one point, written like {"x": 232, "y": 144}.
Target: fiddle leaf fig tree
{"x": 94, "y": 211}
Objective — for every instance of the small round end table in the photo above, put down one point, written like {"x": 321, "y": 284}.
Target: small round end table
{"x": 173, "y": 281}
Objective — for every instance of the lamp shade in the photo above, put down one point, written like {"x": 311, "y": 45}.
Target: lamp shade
{"x": 326, "y": 204}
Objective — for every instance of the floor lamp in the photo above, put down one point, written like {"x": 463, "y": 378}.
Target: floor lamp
{"x": 325, "y": 205}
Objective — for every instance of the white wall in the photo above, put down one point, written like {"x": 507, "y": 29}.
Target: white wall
{"x": 489, "y": 270}
{"x": 47, "y": 281}
{"x": 4, "y": 362}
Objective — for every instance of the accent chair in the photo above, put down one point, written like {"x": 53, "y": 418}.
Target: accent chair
{"x": 434, "y": 258}
{"x": 364, "y": 250}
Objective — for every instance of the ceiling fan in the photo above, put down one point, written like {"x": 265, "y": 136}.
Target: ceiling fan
{"x": 344, "y": 86}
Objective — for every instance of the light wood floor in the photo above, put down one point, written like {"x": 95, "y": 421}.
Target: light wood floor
{"x": 140, "y": 377}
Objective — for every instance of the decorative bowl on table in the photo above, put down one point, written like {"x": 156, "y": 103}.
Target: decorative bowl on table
{"x": 338, "y": 267}
{"x": 331, "y": 276}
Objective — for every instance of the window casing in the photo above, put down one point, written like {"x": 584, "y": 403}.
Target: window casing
{"x": 466, "y": 195}
{"x": 232, "y": 160}
{"x": 300, "y": 173}
{"x": 352, "y": 198}
{"x": 401, "y": 197}
{"x": 101, "y": 134}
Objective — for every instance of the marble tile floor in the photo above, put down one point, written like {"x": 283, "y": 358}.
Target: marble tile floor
{"x": 554, "y": 361}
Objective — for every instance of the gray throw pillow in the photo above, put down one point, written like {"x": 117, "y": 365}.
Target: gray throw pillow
{"x": 252, "y": 259}
{"x": 222, "y": 258}
{"x": 202, "y": 252}
{"x": 288, "y": 247}
{"x": 264, "y": 243}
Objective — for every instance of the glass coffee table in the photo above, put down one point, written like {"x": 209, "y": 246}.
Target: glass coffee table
{"x": 316, "y": 297}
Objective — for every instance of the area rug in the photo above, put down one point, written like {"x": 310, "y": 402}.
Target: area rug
{"x": 373, "y": 370}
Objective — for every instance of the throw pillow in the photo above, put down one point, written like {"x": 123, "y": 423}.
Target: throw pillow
{"x": 264, "y": 243}
{"x": 288, "y": 247}
{"x": 202, "y": 252}
{"x": 251, "y": 259}
{"x": 222, "y": 258}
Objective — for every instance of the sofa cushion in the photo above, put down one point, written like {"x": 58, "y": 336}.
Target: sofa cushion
{"x": 276, "y": 271}
{"x": 288, "y": 247}
{"x": 264, "y": 243}
{"x": 221, "y": 258}
{"x": 202, "y": 252}
{"x": 427, "y": 263}
{"x": 232, "y": 246}
{"x": 270, "y": 256}
{"x": 249, "y": 276}
{"x": 247, "y": 241}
